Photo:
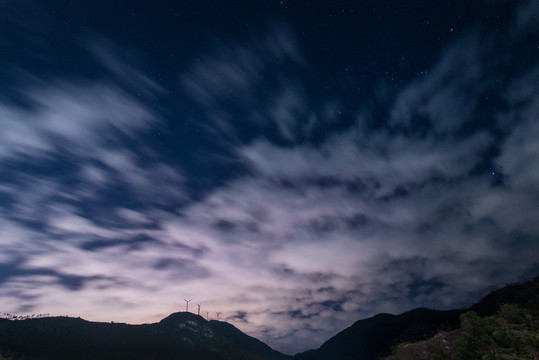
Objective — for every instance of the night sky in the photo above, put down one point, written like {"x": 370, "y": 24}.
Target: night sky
{"x": 294, "y": 165}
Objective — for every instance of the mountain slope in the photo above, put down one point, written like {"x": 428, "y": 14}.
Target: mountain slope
{"x": 246, "y": 342}
{"x": 523, "y": 294}
{"x": 179, "y": 336}
{"x": 371, "y": 338}
{"x": 512, "y": 333}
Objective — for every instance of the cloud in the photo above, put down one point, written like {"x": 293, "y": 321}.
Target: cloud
{"x": 65, "y": 116}
{"x": 234, "y": 70}
{"x": 233, "y": 75}
{"x": 385, "y": 160}
{"x": 123, "y": 64}
{"x": 256, "y": 86}
{"x": 445, "y": 99}
{"x": 514, "y": 206}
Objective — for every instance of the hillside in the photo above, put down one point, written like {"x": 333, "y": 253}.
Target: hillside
{"x": 367, "y": 339}
{"x": 504, "y": 325}
{"x": 374, "y": 337}
{"x": 182, "y": 335}
{"x": 512, "y": 333}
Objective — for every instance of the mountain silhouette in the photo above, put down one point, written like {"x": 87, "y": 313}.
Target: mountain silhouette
{"x": 375, "y": 336}
{"x": 179, "y": 336}
{"x": 188, "y": 336}
{"x": 371, "y": 338}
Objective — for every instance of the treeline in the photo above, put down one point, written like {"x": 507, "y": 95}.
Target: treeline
{"x": 22, "y": 317}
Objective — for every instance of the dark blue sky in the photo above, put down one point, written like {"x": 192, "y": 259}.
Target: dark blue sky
{"x": 294, "y": 165}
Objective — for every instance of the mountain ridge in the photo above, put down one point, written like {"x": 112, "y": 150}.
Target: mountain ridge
{"x": 185, "y": 334}
{"x": 192, "y": 337}
{"x": 371, "y": 338}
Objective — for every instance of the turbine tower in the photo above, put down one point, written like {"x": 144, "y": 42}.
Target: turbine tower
{"x": 198, "y": 305}
{"x": 207, "y": 316}
{"x": 187, "y": 304}
{"x": 217, "y": 315}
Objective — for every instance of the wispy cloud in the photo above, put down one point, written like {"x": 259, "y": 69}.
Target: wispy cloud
{"x": 69, "y": 117}
{"x": 256, "y": 85}
{"x": 77, "y": 197}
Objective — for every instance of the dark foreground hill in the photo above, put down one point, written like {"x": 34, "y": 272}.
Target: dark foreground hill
{"x": 179, "y": 336}
{"x": 371, "y": 338}
{"x": 512, "y": 333}
{"x": 375, "y": 336}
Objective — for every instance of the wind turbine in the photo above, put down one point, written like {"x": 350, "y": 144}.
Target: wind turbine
{"x": 198, "y": 305}
{"x": 217, "y": 315}
{"x": 207, "y": 316}
{"x": 187, "y": 304}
